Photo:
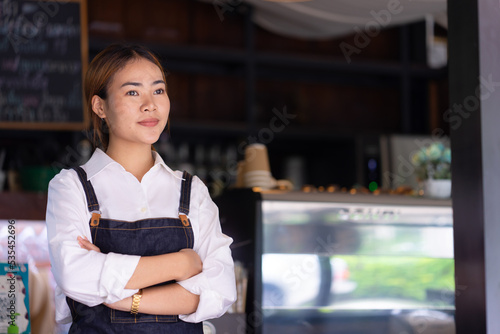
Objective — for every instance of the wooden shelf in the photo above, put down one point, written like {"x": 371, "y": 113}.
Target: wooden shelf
{"x": 213, "y": 58}
{"x": 203, "y": 128}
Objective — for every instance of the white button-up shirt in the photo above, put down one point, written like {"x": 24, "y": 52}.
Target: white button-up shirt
{"x": 93, "y": 278}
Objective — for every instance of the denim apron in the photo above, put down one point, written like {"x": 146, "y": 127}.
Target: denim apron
{"x": 145, "y": 237}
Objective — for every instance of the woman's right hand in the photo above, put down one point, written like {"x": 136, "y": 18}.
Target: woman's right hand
{"x": 191, "y": 264}
{"x": 86, "y": 244}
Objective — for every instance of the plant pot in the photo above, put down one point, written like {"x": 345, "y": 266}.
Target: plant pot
{"x": 437, "y": 188}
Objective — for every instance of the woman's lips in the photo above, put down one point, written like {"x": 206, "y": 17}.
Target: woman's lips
{"x": 150, "y": 122}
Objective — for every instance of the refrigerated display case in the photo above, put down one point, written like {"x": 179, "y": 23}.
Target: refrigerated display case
{"x": 342, "y": 263}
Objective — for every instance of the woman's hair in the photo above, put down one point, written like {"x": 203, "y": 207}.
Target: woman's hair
{"x": 99, "y": 75}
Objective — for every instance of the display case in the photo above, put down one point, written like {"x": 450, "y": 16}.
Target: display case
{"x": 343, "y": 263}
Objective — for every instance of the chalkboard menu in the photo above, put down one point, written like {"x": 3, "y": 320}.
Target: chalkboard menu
{"x": 43, "y": 55}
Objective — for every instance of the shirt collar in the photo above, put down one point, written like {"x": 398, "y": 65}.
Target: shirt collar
{"x": 100, "y": 160}
{"x": 97, "y": 162}
{"x": 159, "y": 161}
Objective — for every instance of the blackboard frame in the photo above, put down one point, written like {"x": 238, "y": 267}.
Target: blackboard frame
{"x": 76, "y": 126}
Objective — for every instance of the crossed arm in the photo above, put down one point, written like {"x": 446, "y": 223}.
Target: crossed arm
{"x": 170, "y": 299}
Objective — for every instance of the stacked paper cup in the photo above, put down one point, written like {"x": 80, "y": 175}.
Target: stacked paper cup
{"x": 254, "y": 170}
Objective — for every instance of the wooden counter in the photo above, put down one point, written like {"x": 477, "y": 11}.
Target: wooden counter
{"x": 23, "y": 205}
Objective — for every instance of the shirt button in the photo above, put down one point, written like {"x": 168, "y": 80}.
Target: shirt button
{"x": 143, "y": 210}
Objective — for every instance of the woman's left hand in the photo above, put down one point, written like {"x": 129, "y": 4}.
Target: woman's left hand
{"x": 86, "y": 244}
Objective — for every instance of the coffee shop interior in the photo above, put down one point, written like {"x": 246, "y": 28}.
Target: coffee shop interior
{"x": 345, "y": 222}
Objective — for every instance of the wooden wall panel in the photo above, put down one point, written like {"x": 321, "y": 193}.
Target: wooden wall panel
{"x": 211, "y": 31}
{"x": 157, "y": 21}
{"x": 199, "y": 98}
{"x": 345, "y": 108}
{"x": 179, "y": 92}
{"x": 384, "y": 46}
{"x": 106, "y": 18}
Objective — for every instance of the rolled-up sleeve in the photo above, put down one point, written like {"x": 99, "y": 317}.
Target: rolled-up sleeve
{"x": 88, "y": 277}
{"x": 216, "y": 284}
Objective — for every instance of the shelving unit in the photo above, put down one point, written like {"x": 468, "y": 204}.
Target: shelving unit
{"x": 225, "y": 79}
{"x": 251, "y": 64}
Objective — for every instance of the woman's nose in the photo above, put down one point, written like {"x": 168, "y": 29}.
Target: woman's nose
{"x": 149, "y": 105}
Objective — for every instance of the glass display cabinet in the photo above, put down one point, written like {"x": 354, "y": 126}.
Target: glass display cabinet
{"x": 342, "y": 263}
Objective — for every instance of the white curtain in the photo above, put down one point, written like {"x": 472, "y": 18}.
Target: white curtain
{"x": 322, "y": 19}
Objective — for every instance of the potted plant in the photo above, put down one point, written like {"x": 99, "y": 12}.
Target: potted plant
{"x": 433, "y": 168}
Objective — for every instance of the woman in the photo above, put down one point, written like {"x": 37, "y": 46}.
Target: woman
{"x": 135, "y": 247}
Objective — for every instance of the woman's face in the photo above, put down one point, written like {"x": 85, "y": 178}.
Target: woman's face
{"x": 137, "y": 107}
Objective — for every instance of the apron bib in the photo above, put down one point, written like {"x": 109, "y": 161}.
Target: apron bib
{"x": 145, "y": 237}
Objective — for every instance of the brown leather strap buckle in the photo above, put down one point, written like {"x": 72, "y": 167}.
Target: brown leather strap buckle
{"x": 94, "y": 221}
{"x": 184, "y": 219}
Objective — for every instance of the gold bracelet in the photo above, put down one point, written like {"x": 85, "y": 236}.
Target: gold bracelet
{"x": 136, "y": 300}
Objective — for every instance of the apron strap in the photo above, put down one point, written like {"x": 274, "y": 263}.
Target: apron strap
{"x": 185, "y": 197}
{"x": 185, "y": 193}
{"x": 92, "y": 203}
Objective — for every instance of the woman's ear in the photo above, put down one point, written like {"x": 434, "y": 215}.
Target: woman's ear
{"x": 98, "y": 106}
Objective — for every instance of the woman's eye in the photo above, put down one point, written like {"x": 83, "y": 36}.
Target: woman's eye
{"x": 132, "y": 92}
{"x": 159, "y": 91}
